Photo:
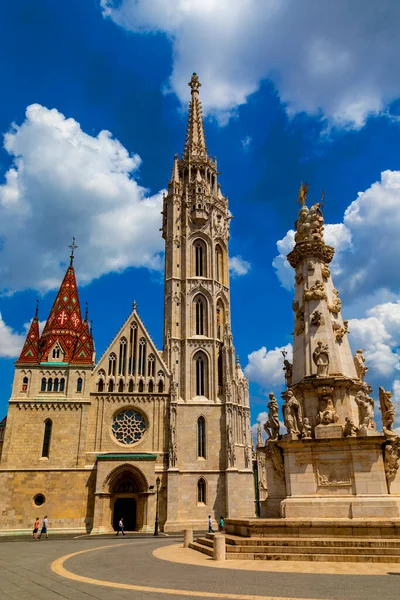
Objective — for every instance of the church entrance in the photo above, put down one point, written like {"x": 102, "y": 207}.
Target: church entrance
{"x": 126, "y": 508}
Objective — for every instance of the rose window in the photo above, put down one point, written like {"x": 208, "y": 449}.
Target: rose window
{"x": 128, "y": 426}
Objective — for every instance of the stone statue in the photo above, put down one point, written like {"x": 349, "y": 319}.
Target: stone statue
{"x": 327, "y": 413}
{"x": 259, "y": 443}
{"x": 350, "y": 430}
{"x": 321, "y": 359}
{"x": 262, "y": 471}
{"x": 316, "y": 318}
{"x": 288, "y": 368}
{"x": 274, "y": 453}
{"x": 231, "y": 446}
{"x": 359, "y": 363}
{"x": 306, "y": 432}
{"x": 391, "y": 459}
{"x": 272, "y": 426}
{"x": 336, "y": 305}
{"x": 172, "y": 448}
{"x": 292, "y": 413}
{"x": 299, "y": 325}
{"x": 365, "y": 409}
{"x": 316, "y": 292}
{"x": 340, "y": 332}
{"x": 388, "y": 411}
{"x": 325, "y": 271}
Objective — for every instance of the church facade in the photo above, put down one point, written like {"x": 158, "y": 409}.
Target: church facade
{"x": 143, "y": 430}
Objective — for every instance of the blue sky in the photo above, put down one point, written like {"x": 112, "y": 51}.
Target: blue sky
{"x": 288, "y": 95}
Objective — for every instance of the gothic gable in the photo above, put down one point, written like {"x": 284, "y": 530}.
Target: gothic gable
{"x": 131, "y": 363}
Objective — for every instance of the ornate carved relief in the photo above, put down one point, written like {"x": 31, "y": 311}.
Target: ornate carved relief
{"x": 333, "y": 474}
{"x": 307, "y": 429}
{"x": 336, "y": 305}
{"x": 316, "y": 318}
{"x": 350, "y": 430}
{"x": 327, "y": 412}
{"x": 316, "y": 292}
{"x": 391, "y": 459}
{"x": 388, "y": 411}
{"x": 274, "y": 454}
{"x": 339, "y": 331}
{"x": 325, "y": 271}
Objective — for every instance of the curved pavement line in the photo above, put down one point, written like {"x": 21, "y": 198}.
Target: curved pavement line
{"x": 58, "y": 567}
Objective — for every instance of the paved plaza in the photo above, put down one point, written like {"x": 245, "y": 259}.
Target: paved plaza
{"x": 145, "y": 568}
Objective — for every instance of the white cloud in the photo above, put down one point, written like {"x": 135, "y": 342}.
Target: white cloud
{"x": 11, "y": 341}
{"x": 238, "y": 266}
{"x": 265, "y": 366}
{"x": 246, "y": 143}
{"x": 338, "y": 59}
{"x": 66, "y": 183}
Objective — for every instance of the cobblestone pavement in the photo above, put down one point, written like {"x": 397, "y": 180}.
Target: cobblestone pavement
{"x": 26, "y": 573}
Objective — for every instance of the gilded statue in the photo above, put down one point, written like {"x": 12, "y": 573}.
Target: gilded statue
{"x": 316, "y": 292}
{"x": 272, "y": 426}
{"x": 359, "y": 363}
{"x": 321, "y": 359}
{"x": 292, "y": 413}
{"x": 388, "y": 411}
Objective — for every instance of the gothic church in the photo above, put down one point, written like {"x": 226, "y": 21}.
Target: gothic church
{"x": 86, "y": 442}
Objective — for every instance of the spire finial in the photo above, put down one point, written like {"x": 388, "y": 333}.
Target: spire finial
{"x": 73, "y": 247}
{"x": 303, "y": 191}
{"x": 91, "y": 328}
{"x": 237, "y": 359}
{"x": 86, "y": 310}
{"x": 37, "y": 309}
{"x": 194, "y": 83}
{"x": 134, "y": 305}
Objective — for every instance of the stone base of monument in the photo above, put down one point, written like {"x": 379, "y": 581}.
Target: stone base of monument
{"x": 333, "y": 540}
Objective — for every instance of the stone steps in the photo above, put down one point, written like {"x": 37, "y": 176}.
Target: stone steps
{"x": 305, "y": 549}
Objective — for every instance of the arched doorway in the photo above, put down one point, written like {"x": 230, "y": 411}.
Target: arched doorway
{"x": 127, "y": 490}
{"x": 126, "y": 508}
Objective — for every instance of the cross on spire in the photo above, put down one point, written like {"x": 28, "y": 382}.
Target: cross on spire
{"x": 73, "y": 247}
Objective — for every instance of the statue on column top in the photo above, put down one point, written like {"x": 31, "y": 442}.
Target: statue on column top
{"x": 272, "y": 426}
{"x": 388, "y": 411}
{"x": 292, "y": 413}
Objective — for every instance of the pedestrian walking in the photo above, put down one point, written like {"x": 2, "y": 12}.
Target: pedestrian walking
{"x": 45, "y": 526}
{"x": 210, "y": 529}
{"x": 121, "y": 526}
{"x": 36, "y": 528}
{"x": 221, "y": 524}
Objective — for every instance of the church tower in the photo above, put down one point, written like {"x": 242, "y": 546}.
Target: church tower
{"x": 211, "y": 393}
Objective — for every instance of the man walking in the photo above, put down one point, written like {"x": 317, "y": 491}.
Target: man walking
{"x": 44, "y": 529}
{"x": 121, "y": 526}
{"x": 210, "y": 529}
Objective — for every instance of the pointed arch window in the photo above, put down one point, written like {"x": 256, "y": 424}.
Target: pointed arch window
{"x": 200, "y": 258}
{"x": 122, "y": 356}
{"x": 201, "y": 315}
{"x": 132, "y": 348}
{"x": 141, "y": 386}
{"x": 220, "y": 372}
{"x": 160, "y": 386}
{"x": 56, "y": 352}
{"x": 56, "y": 384}
{"x": 151, "y": 387}
{"x": 201, "y": 371}
{"x": 111, "y": 386}
{"x": 46, "y": 438}
{"x": 219, "y": 264}
{"x": 201, "y": 491}
{"x": 220, "y": 314}
{"x": 201, "y": 437}
{"x": 25, "y": 382}
{"x": 142, "y": 356}
{"x": 62, "y": 384}
{"x": 50, "y": 384}
{"x": 43, "y": 386}
{"x": 79, "y": 384}
{"x": 111, "y": 364}
{"x": 151, "y": 366}
{"x": 120, "y": 386}
{"x": 100, "y": 386}
{"x": 130, "y": 386}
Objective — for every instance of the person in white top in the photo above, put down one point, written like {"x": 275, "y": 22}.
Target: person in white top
{"x": 121, "y": 526}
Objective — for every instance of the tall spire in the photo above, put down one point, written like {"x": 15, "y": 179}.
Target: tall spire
{"x": 30, "y": 350}
{"x": 195, "y": 144}
{"x": 65, "y": 326}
